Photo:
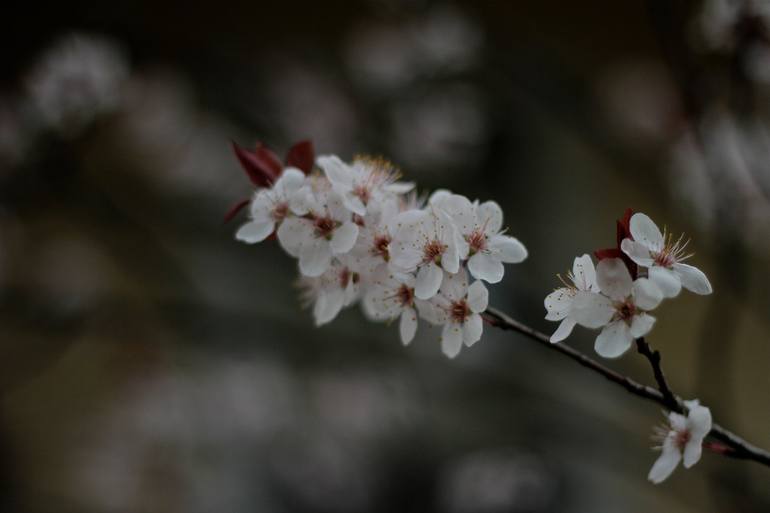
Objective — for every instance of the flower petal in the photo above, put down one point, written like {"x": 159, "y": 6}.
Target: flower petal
{"x": 490, "y": 215}
{"x": 315, "y": 258}
{"x": 451, "y": 339}
{"x": 692, "y": 452}
{"x": 614, "y": 340}
{"x": 429, "y": 279}
{"x": 646, "y": 232}
{"x": 647, "y": 295}
{"x": 563, "y": 331}
{"x": 666, "y": 462}
{"x": 431, "y": 312}
{"x": 637, "y": 252}
{"x": 344, "y": 238}
{"x": 486, "y": 267}
{"x": 335, "y": 170}
{"x": 293, "y": 234}
{"x": 255, "y": 231}
{"x": 291, "y": 180}
{"x": 613, "y": 278}
{"x": 455, "y": 286}
{"x": 585, "y": 273}
{"x": 407, "y": 327}
{"x": 327, "y": 306}
{"x": 693, "y": 279}
{"x": 641, "y": 325}
{"x": 667, "y": 280}
{"x": 698, "y": 420}
{"x": 508, "y": 249}
{"x": 478, "y": 297}
{"x": 592, "y": 310}
{"x": 558, "y": 304}
{"x": 472, "y": 329}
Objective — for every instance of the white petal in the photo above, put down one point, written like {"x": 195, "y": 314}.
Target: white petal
{"x": 637, "y": 252}
{"x": 669, "y": 282}
{"x": 646, "y": 232}
{"x": 354, "y": 204}
{"x": 692, "y": 452}
{"x": 431, "y": 312}
{"x": 614, "y": 340}
{"x": 472, "y": 329}
{"x": 508, "y": 249}
{"x": 490, "y": 215}
{"x": 592, "y": 310}
{"x": 613, "y": 278}
{"x": 460, "y": 210}
{"x": 327, "y": 306}
{"x": 486, "y": 267}
{"x": 641, "y": 325}
{"x": 344, "y": 238}
{"x": 558, "y": 304}
{"x": 478, "y": 297}
{"x": 647, "y": 295}
{"x": 293, "y": 234}
{"x": 438, "y": 196}
{"x": 400, "y": 187}
{"x": 698, "y": 421}
{"x": 455, "y": 286}
{"x": 585, "y": 273}
{"x": 693, "y": 279}
{"x": 428, "y": 281}
{"x": 563, "y": 331}
{"x": 666, "y": 462}
{"x": 408, "y": 325}
{"x": 290, "y": 180}
{"x": 450, "y": 260}
{"x": 254, "y": 231}
{"x": 315, "y": 258}
{"x": 335, "y": 170}
{"x": 451, "y": 339}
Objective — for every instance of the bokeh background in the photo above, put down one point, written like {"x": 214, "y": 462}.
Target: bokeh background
{"x": 150, "y": 363}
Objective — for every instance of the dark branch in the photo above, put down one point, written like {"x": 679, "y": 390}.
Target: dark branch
{"x": 653, "y": 357}
{"x": 739, "y": 448}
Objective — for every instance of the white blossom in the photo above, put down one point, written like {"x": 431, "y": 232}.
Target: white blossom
{"x": 457, "y": 307}
{"x": 620, "y": 309}
{"x": 426, "y": 241}
{"x": 663, "y": 257}
{"x": 337, "y": 287}
{"x": 681, "y": 440}
{"x": 270, "y": 207}
{"x": 322, "y": 228}
{"x": 483, "y": 242}
{"x": 391, "y": 296}
{"x": 559, "y": 303}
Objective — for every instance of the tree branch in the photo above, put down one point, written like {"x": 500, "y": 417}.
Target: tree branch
{"x": 738, "y": 447}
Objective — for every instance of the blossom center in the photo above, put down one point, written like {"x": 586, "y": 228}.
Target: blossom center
{"x": 433, "y": 250}
{"x": 673, "y": 251}
{"x": 324, "y": 227}
{"x": 459, "y": 311}
{"x": 405, "y": 295}
{"x": 280, "y": 211}
{"x": 362, "y": 192}
{"x": 625, "y": 311}
{"x": 477, "y": 241}
{"x": 346, "y": 276}
{"x": 682, "y": 437}
{"x": 381, "y": 246}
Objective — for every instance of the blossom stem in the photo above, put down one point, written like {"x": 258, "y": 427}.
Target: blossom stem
{"x": 739, "y": 448}
{"x": 653, "y": 356}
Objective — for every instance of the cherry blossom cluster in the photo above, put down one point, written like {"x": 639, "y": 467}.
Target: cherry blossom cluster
{"x": 625, "y": 286}
{"x": 362, "y": 235}
{"x": 617, "y": 296}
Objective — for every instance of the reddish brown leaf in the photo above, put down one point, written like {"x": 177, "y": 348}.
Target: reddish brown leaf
{"x": 301, "y": 156}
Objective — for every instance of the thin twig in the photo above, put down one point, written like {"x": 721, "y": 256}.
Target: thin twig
{"x": 653, "y": 357}
{"x": 739, "y": 448}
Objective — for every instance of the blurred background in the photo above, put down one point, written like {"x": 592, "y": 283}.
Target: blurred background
{"x": 150, "y": 363}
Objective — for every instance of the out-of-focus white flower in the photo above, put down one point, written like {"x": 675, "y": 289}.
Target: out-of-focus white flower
{"x": 663, "y": 257}
{"x": 559, "y": 303}
{"x": 457, "y": 307}
{"x": 426, "y": 241}
{"x": 391, "y": 296}
{"x": 339, "y": 286}
{"x": 322, "y": 228}
{"x": 78, "y": 79}
{"x": 681, "y": 440}
{"x": 483, "y": 241}
{"x": 620, "y": 310}
{"x": 271, "y": 206}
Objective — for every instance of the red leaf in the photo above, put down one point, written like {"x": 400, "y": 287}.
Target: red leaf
{"x": 234, "y": 210}
{"x": 301, "y": 156}
{"x": 255, "y": 168}
{"x": 601, "y": 254}
{"x": 269, "y": 161}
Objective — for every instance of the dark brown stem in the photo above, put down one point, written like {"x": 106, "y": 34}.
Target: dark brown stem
{"x": 653, "y": 357}
{"x": 739, "y": 448}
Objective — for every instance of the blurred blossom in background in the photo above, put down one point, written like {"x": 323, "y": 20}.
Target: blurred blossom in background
{"x": 150, "y": 363}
